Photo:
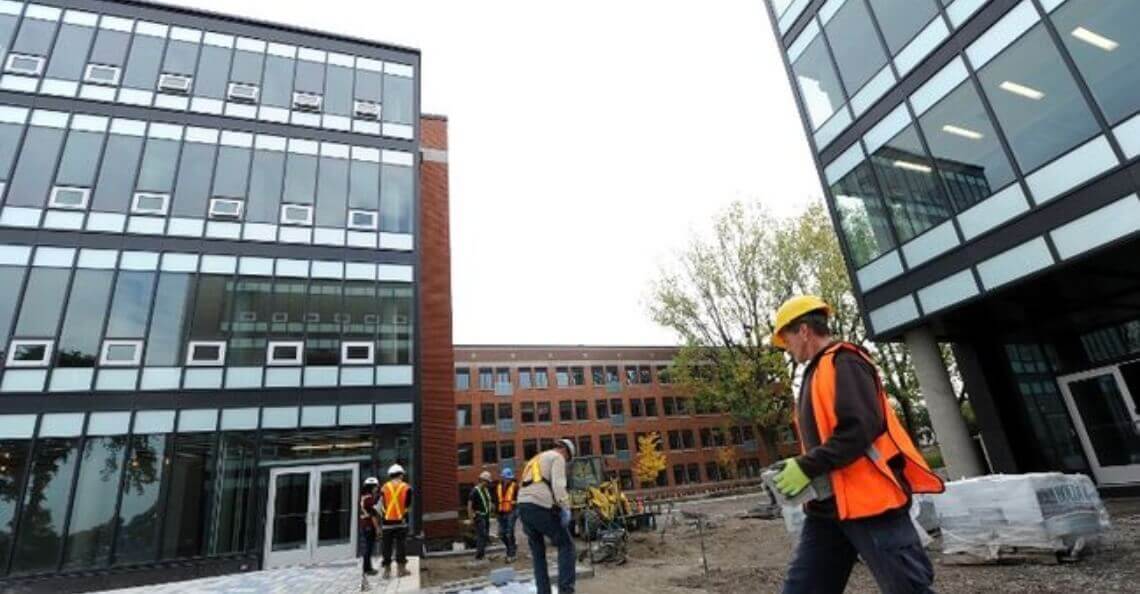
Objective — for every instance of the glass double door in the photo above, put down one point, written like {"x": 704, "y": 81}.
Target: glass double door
{"x": 311, "y": 514}
{"x": 1103, "y": 402}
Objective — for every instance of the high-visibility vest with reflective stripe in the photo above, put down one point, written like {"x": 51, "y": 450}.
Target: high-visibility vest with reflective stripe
{"x": 531, "y": 472}
{"x": 393, "y": 494}
{"x": 506, "y": 496}
{"x": 868, "y": 486}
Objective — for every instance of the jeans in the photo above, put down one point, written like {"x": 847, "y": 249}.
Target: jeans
{"x": 507, "y": 531}
{"x": 390, "y": 536}
{"x": 482, "y": 534}
{"x": 539, "y": 523}
{"x": 887, "y": 543}
{"x": 368, "y": 537}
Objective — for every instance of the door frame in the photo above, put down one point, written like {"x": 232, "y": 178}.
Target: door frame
{"x": 1105, "y": 475}
{"x": 312, "y": 552}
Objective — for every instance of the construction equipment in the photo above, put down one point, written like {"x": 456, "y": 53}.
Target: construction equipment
{"x": 601, "y": 513}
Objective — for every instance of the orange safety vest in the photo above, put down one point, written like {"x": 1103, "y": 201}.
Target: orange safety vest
{"x": 868, "y": 487}
{"x": 392, "y": 495}
{"x": 506, "y": 496}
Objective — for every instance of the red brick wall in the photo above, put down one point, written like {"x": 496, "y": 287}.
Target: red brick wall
{"x": 437, "y": 414}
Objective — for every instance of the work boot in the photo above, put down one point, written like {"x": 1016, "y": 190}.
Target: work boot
{"x": 403, "y": 571}
{"x": 387, "y": 572}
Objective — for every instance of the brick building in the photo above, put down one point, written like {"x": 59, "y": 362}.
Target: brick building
{"x": 514, "y": 401}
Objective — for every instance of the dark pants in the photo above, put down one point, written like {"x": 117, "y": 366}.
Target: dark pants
{"x": 539, "y": 523}
{"x": 482, "y": 534}
{"x": 507, "y": 531}
{"x": 396, "y": 535}
{"x": 368, "y": 537}
{"x": 888, "y": 545}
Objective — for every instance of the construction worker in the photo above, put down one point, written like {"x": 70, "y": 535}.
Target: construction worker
{"x": 506, "y": 500}
{"x": 396, "y": 502}
{"x": 544, "y": 508}
{"x": 851, "y": 438}
{"x": 369, "y": 521}
{"x": 480, "y": 506}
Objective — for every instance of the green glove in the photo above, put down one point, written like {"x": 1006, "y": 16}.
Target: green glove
{"x": 792, "y": 479}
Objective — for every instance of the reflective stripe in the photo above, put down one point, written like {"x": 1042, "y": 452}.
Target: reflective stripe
{"x": 506, "y": 500}
{"x": 873, "y": 453}
{"x": 393, "y": 497}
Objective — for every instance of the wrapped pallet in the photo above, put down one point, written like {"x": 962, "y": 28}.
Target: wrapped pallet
{"x": 1043, "y": 512}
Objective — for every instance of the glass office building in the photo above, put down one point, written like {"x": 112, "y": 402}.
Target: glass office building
{"x": 209, "y": 265}
{"x": 979, "y": 162}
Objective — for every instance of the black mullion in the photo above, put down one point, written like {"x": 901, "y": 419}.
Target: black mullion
{"x": 21, "y": 293}
{"x": 164, "y": 489}
{"x": 131, "y": 35}
{"x": 63, "y": 546}
{"x": 55, "y": 336}
{"x": 883, "y": 41}
{"x": 210, "y": 535}
{"x": 158, "y": 274}
{"x": 259, "y": 504}
{"x": 117, "y": 521}
{"x": 6, "y": 49}
{"x": 22, "y": 494}
{"x": 940, "y": 185}
{"x": 115, "y": 275}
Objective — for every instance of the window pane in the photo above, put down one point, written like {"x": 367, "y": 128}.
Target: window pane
{"x": 233, "y": 172}
{"x": 80, "y": 157}
{"x": 278, "y": 85}
{"x": 7, "y": 31}
{"x": 192, "y": 480}
{"x": 288, "y": 309}
{"x": 398, "y": 100}
{"x": 43, "y": 303}
{"x": 359, "y": 321}
{"x": 861, "y": 215}
{"x": 395, "y": 324}
{"x": 181, "y": 57}
{"x": 364, "y": 185}
{"x": 139, "y": 510}
{"x": 35, "y": 37}
{"x": 83, "y": 324}
{"x": 143, "y": 62}
{"x": 247, "y": 67}
{"x": 130, "y": 305}
{"x": 93, "y": 513}
{"x": 265, "y": 184}
{"x": 35, "y": 169}
{"x": 70, "y": 54}
{"x": 965, "y": 147}
{"x": 192, "y": 190}
{"x": 110, "y": 47}
{"x": 819, "y": 85}
{"x": 117, "y": 173}
{"x": 855, "y": 45}
{"x": 332, "y": 192}
{"x": 908, "y": 185}
{"x": 232, "y": 522}
{"x": 322, "y": 344}
{"x": 13, "y": 278}
{"x": 396, "y": 199}
{"x": 310, "y": 77}
{"x": 213, "y": 72}
{"x": 159, "y": 162}
{"x": 10, "y": 136}
{"x": 338, "y": 91}
{"x": 1099, "y": 36}
{"x": 168, "y": 322}
{"x": 45, "y": 506}
{"x": 300, "y": 179}
{"x": 1036, "y": 100}
{"x": 211, "y": 308}
{"x": 901, "y": 20}
{"x": 15, "y": 455}
{"x": 253, "y": 308}
{"x": 368, "y": 85}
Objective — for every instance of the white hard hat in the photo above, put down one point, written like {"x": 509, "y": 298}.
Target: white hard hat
{"x": 395, "y": 469}
{"x": 569, "y": 445}
{"x": 485, "y": 476}
{"x": 371, "y": 481}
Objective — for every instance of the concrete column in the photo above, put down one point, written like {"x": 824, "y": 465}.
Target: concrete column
{"x": 949, "y": 427}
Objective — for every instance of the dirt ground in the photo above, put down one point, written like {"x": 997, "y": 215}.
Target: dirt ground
{"x": 750, "y": 555}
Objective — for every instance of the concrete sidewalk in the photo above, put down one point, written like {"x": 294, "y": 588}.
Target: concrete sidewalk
{"x": 330, "y": 578}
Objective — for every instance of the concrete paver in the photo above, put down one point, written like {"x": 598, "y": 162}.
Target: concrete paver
{"x": 328, "y": 578}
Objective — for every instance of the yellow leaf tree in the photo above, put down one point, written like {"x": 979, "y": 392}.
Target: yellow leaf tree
{"x": 726, "y": 459}
{"x": 650, "y": 461}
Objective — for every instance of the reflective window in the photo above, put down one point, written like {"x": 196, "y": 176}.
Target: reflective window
{"x": 34, "y": 171}
{"x": 332, "y": 192}
{"x": 35, "y": 37}
{"x": 191, "y": 485}
{"x": 117, "y": 173}
{"x": 192, "y": 190}
{"x": 147, "y": 465}
{"x": 211, "y": 308}
{"x": 901, "y": 20}
{"x": 288, "y": 309}
{"x": 233, "y": 525}
{"x": 396, "y": 326}
{"x": 396, "y": 199}
{"x": 213, "y": 72}
{"x": 70, "y": 54}
{"x": 93, "y": 513}
{"x": 1099, "y": 36}
{"x": 15, "y": 455}
{"x": 83, "y": 324}
{"x": 45, "y": 506}
{"x": 232, "y": 173}
{"x": 368, "y": 85}
{"x": 300, "y": 179}
{"x": 110, "y": 47}
{"x": 144, "y": 62}
{"x": 965, "y": 147}
{"x": 364, "y": 185}
{"x": 322, "y": 328}
{"x": 80, "y": 158}
{"x": 10, "y": 135}
{"x": 265, "y": 183}
{"x": 181, "y": 57}
{"x": 7, "y": 31}
{"x": 359, "y": 320}
{"x": 310, "y": 77}
{"x": 13, "y": 278}
{"x": 167, "y": 324}
{"x": 1036, "y": 100}
{"x": 130, "y": 304}
{"x": 907, "y": 179}
{"x": 855, "y": 45}
{"x": 43, "y": 303}
{"x": 819, "y": 85}
{"x": 862, "y": 216}
{"x": 338, "y": 91}
{"x": 277, "y": 89}
{"x": 159, "y": 163}
{"x": 247, "y": 67}
{"x": 253, "y": 308}
{"x": 399, "y": 100}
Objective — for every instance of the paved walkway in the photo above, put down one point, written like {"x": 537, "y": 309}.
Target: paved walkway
{"x": 331, "y": 578}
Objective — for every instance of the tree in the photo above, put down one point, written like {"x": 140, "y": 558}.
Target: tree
{"x": 726, "y": 460}
{"x": 649, "y": 461}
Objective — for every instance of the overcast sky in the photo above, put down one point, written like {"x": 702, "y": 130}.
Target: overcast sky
{"x": 587, "y": 141}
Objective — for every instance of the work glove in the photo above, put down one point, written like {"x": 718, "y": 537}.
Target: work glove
{"x": 791, "y": 479}
{"x": 564, "y": 517}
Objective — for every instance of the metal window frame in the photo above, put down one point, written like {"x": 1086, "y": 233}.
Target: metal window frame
{"x": 282, "y": 362}
{"x": 375, "y": 225}
{"x": 49, "y": 350}
{"x": 165, "y": 76}
{"x": 191, "y": 361}
{"x": 346, "y": 345}
{"x": 114, "y": 82}
{"x": 55, "y": 191}
{"x": 308, "y": 220}
{"x": 213, "y": 212}
{"x": 136, "y": 209}
{"x": 107, "y": 344}
{"x": 10, "y": 67}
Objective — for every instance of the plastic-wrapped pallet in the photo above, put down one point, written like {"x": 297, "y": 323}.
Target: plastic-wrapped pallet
{"x": 1046, "y": 511}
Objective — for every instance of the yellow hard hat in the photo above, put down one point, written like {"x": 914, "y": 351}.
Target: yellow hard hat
{"x": 792, "y": 309}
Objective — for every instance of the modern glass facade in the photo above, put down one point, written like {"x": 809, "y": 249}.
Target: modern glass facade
{"x": 209, "y": 322}
{"x": 979, "y": 160}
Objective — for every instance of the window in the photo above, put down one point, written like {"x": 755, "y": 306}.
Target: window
{"x": 621, "y": 442}
{"x": 585, "y": 445}
{"x": 694, "y": 472}
{"x": 635, "y": 407}
{"x": 223, "y": 208}
{"x": 366, "y": 110}
{"x": 506, "y": 450}
{"x": 285, "y": 353}
{"x": 206, "y": 353}
{"x": 486, "y": 379}
{"x": 1036, "y": 100}
{"x": 363, "y": 219}
{"x": 644, "y": 375}
{"x": 487, "y": 415}
{"x": 66, "y": 197}
{"x": 562, "y": 377}
{"x": 650, "y": 407}
{"x": 530, "y": 448}
{"x": 462, "y": 379}
{"x": 687, "y": 439}
{"x": 818, "y": 82}
{"x": 663, "y": 374}
{"x": 737, "y": 436}
{"x": 631, "y": 376}
{"x": 177, "y": 84}
{"x": 490, "y": 452}
{"x": 150, "y": 203}
{"x": 125, "y": 353}
{"x": 706, "y": 437}
{"x": 526, "y": 411}
{"x": 674, "y": 440}
{"x": 598, "y": 375}
{"x": 908, "y": 185}
{"x": 296, "y": 214}
{"x": 901, "y": 20}
{"x": 506, "y": 411}
{"x": 242, "y": 92}
{"x": 357, "y": 353}
{"x": 678, "y": 474}
{"x": 602, "y": 409}
{"x": 524, "y": 378}
{"x": 581, "y": 410}
{"x": 465, "y": 454}
{"x": 23, "y": 64}
{"x": 30, "y": 353}
{"x": 101, "y": 74}
{"x": 565, "y": 410}
{"x": 684, "y": 406}
{"x": 310, "y": 102}
{"x": 616, "y": 407}
{"x": 669, "y": 406}
{"x": 463, "y": 415}
{"x": 541, "y": 378}
{"x": 862, "y": 216}
{"x": 612, "y": 376}
{"x": 748, "y": 433}
{"x": 577, "y": 376}
{"x": 543, "y": 412}
{"x": 1097, "y": 34}
{"x": 607, "y": 445}
{"x": 712, "y": 471}
{"x": 855, "y": 45}
{"x": 502, "y": 376}
{"x": 718, "y": 437}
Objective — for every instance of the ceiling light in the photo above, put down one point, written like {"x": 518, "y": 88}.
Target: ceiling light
{"x": 1024, "y": 91}
{"x": 1095, "y": 39}
{"x": 963, "y": 132}
{"x": 912, "y": 166}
